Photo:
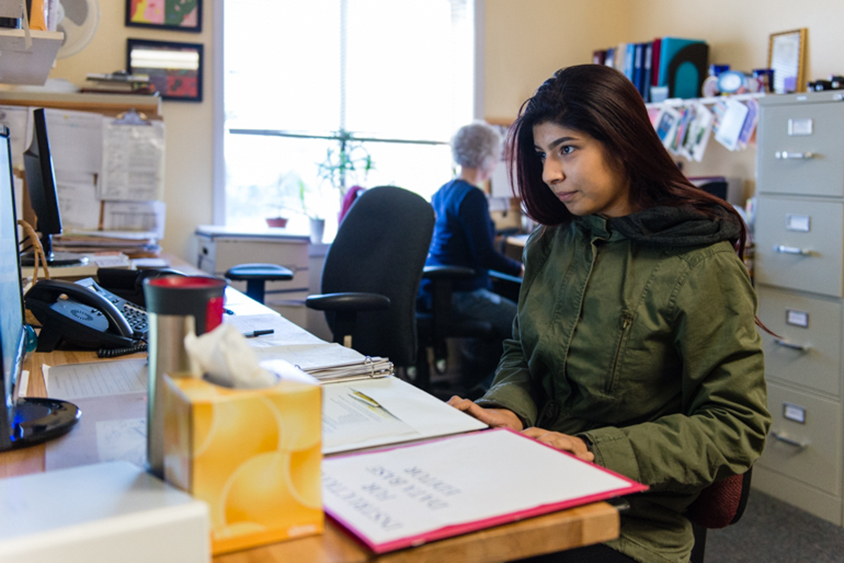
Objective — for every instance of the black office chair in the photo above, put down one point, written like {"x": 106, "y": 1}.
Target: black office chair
{"x": 372, "y": 273}
{"x": 437, "y": 324}
{"x": 256, "y": 276}
{"x": 718, "y": 506}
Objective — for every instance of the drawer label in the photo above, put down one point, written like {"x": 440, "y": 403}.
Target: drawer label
{"x": 798, "y": 127}
{"x": 793, "y": 412}
{"x": 797, "y": 222}
{"x": 797, "y": 318}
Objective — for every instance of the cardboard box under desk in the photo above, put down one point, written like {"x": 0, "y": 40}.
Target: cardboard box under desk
{"x": 252, "y": 454}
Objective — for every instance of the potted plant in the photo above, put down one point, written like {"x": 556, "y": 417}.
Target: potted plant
{"x": 283, "y": 197}
{"x": 344, "y": 167}
{"x": 317, "y": 221}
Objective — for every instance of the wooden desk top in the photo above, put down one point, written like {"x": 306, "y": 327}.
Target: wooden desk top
{"x": 562, "y": 530}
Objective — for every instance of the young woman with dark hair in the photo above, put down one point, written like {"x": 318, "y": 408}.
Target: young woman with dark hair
{"x": 634, "y": 345}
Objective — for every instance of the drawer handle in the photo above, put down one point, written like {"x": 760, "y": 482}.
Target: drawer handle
{"x": 789, "y": 441}
{"x": 791, "y": 250}
{"x": 785, "y": 155}
{"x": 792, "y": 345}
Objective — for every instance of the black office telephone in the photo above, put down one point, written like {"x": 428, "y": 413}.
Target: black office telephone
{"x": 82, "y": 318}
{"x": 86, "y": 315}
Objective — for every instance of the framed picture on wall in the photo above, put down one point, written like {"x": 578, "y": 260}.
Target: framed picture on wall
{"x": 175, "y": 69}
{"x": 785, "y": 56}
{"x": 174, "y": 15}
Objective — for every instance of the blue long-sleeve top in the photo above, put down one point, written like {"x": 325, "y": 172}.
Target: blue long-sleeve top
{"x": 464, "y": 235}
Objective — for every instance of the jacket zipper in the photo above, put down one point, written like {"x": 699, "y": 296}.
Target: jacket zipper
{"x": 626, "y": 321}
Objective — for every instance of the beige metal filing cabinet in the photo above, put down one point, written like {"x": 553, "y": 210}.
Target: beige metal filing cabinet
{"x": 220, "y": 248}
{"x": 799, "y": 256}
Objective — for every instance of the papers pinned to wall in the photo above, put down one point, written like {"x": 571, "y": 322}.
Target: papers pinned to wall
{"x": 132, "y": 160}
{"x": 109, "y": 172}
{"x": 685, "y": 126}
{"x": 145, "y": 216}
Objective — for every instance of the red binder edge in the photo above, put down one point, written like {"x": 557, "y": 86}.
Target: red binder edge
{"x": 459, "y": 529}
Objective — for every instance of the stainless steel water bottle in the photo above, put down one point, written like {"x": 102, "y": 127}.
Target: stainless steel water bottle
{"x": 176, "y": 306}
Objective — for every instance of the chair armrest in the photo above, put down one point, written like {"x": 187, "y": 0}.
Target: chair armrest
{"x": 347, "y": 302}
{"x": 447, "y": 272}
{"x": 495, "y": 275}
{"x": 243, "y": 272}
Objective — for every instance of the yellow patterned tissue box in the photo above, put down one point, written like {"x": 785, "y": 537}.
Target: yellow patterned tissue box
{"x": 252, "y": 454}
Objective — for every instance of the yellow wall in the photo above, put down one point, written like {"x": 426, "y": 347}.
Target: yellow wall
{"x": 525, "y": 42}
{"x": 189, "y": 156}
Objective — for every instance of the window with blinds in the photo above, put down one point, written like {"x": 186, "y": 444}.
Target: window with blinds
{"x": 387, "y": 81}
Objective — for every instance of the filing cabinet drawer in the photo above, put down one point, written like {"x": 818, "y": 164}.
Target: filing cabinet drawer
{"x": 808, "y": 451}
{"x": 809, "y": 352}
{"x": 800, "y": 149}
{"x": 799, "y": 243}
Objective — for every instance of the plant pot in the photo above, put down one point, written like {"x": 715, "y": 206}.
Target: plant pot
{"x": 317, "y": 230}
{"x": 279, "y": 222}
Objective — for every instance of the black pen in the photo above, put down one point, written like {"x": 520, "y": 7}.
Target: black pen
{"x": 255, "y": 333}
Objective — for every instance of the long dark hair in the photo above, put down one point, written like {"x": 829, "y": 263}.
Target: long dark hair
{"x": 601, "y": 102}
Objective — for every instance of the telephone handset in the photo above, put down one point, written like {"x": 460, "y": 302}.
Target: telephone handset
{"x": 72, "y": 313}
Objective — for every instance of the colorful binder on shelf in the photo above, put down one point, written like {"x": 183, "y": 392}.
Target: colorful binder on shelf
{"x": 682, "y": 66}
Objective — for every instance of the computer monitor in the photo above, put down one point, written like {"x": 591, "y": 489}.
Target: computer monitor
{"x": 23, "y": 421}
{"x": 41, "y": 186}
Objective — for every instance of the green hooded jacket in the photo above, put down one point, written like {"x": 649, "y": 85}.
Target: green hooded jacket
{"x": 638, "y": 334}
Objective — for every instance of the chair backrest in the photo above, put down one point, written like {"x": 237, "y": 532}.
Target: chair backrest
{"x": 721, "y": 503}
{"x": 381, "y": 247}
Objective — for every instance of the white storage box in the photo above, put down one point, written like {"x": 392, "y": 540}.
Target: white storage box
{"x": 104, "y": 512}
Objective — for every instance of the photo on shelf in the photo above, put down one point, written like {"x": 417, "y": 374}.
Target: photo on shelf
{"x": 785, "y": 56}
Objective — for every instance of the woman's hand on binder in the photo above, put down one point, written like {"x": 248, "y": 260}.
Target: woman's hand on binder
{"x": 572, "y": 444}
{"x": 495, "y": 418}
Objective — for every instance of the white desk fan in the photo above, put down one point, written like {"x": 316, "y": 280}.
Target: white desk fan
{"x": 78, "y": 20}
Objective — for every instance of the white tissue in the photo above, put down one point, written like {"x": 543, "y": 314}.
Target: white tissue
{"x": 226, "y": 359}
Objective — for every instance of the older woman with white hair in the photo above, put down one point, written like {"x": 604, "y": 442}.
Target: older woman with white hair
{"x": 464, "y": 236}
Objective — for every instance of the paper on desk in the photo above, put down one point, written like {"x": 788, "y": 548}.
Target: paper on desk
{"x": 132, "y": 161}
{"x": 347, "y": 417}
{"x": 112, "y": 396}
{"x": 426, "y": 415}
{"x": 131, "y": 235}
{"x": 111, "y": 428}
{"x": 409, "y": 495}
{"x": 284, "y": 332}
{"x": 307, "y": 357}
{"x": 96, "y": 379}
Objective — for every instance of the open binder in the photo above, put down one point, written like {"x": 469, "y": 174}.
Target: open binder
{"x": 410, "y": 495}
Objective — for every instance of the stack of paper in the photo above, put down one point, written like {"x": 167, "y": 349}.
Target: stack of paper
{"x": 133, "y": 244}
{"x": 326, "y": 361}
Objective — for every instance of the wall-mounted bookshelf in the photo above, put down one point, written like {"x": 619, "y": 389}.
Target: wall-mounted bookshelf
{"x": 681, "y": 102}
{"x": 27, "y": 64}
{"x": 107, "y": 104}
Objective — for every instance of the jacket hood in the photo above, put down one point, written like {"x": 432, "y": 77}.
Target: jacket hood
{"x": 678, "y": 226}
